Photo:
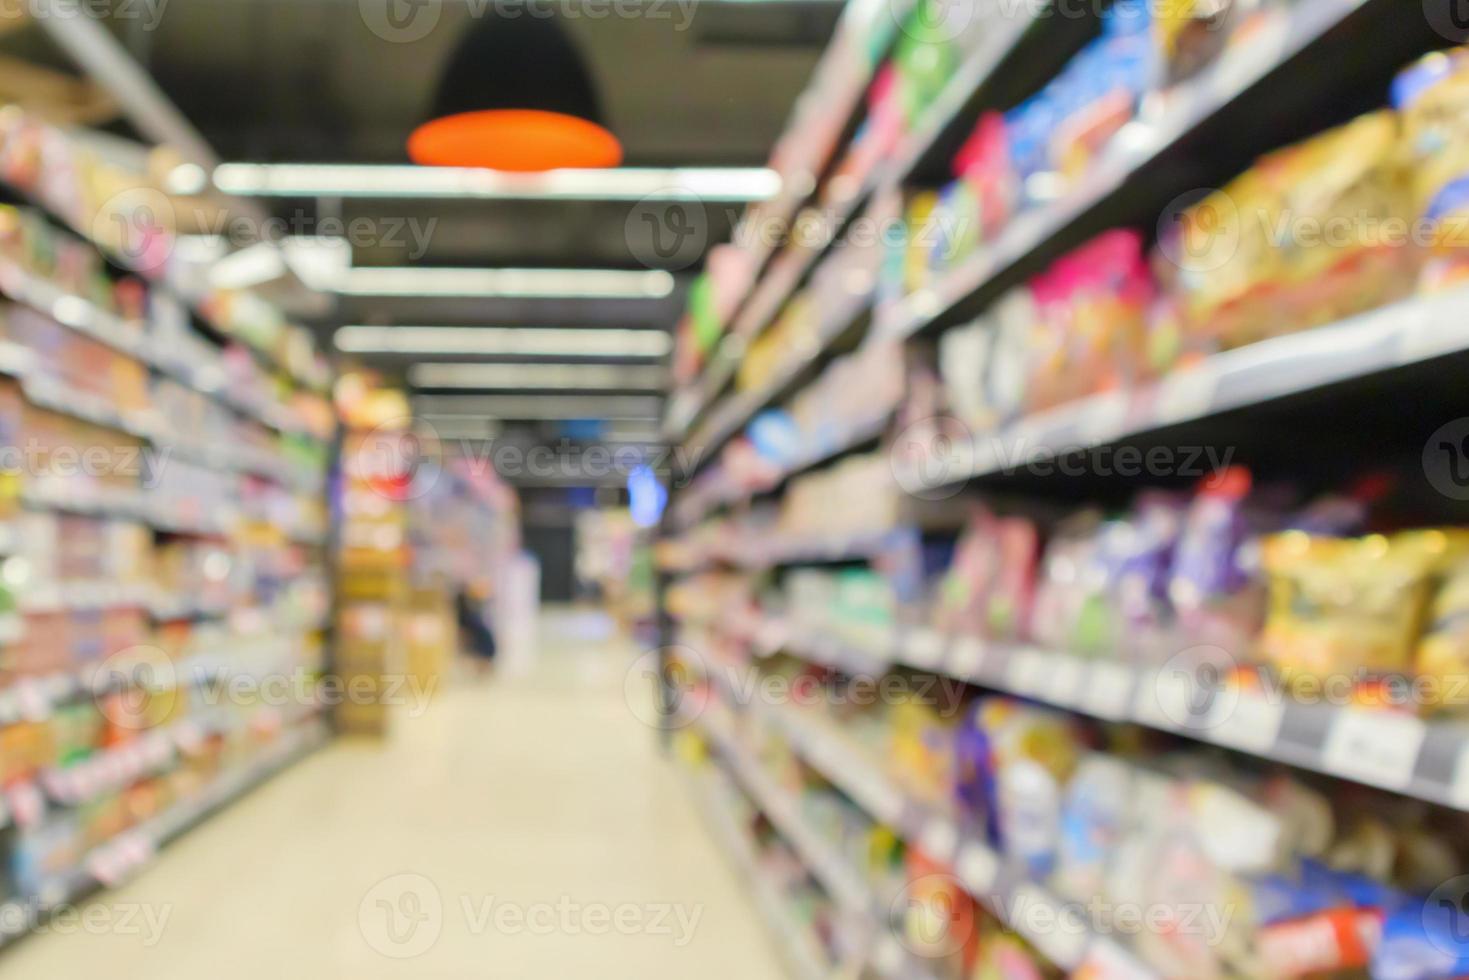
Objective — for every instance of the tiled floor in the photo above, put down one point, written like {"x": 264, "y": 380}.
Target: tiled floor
{"x": 525, "y": 828}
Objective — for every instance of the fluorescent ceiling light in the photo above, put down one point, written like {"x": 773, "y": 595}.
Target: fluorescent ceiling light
{"x": 252, "y": 266}
{"x": 525, "y": 283}
{"x": 503, "y": 341}
{"x": 610, "y": 407}
{"x": 186, "y": 180}
{"x": 396, "y": 181}
{"x": 521, "y": 376}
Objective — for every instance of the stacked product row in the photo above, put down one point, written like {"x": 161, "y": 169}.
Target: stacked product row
{"x": 162, "y": 504}
{"x": 872, "y": 660}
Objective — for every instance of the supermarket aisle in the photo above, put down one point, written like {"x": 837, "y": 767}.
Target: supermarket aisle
{"x": 525, "y": 829}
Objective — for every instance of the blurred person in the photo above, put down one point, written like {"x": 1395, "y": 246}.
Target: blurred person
{"x": 477, "y": 637}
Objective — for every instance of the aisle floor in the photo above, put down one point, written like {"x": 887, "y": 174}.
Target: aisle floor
{"x": 521, "y": 828}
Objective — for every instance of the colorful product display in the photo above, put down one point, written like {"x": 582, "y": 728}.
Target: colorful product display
{"x": 163, "y": 570}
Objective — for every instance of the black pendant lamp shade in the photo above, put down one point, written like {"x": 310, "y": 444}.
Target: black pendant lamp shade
{"x": 515, "y": 96}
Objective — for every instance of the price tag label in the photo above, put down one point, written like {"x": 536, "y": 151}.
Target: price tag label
{"x": 32, "y": 701}
{"x": 25, "y": 805}
{"x": 978, "y": 867}
{"x": 1104, "y": 417}
{"x": 924, "y": 648}
{"x": 1105, "y": 960}
{"x": 1026, "y": 672}
{"x": 888, "y": 957}
{"x": 1167, "y": 699}
{"x": 1185, "y": 395}
{"x": 1459, "y": 792}
{"x": 1054, "y": 930}
{"x": 881, "y": 797}
{"x": 1434, "y": 329}
{"x": 939, "y": 839}
{"x": 1108, "y": 692}
{"x": 1065, "y": 678}
{"x": 1245, "y": 720}
{"x": 966, "y": 658}
{"x": 1380, "y": 748}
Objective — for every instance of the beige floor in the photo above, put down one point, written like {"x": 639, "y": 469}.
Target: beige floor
{"x": 523, "y": 829}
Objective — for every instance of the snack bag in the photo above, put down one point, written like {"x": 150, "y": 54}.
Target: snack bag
{"x": 939, "y": 917}
{"x": 1030, "y": 755}
{"x": 983, "y": 164}
{"x": 1432, "y": 96}
{"x": 1215, "y": 595}
{"x": 1351, "y": 605}
{"x": 1092, "y": 306}
{"x": 1191, "y": 33}
{"x": 1443, "y": 652}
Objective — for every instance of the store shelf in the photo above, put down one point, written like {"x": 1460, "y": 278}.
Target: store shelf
{"x": 1188, "y": 106}
{"x": 783, "y": 549}
{"x": 785, "y": 274}
{"x": 797, "y": 947}
{"x": 136, "y": 505}
{"x": 130, "y": 339}
{"x": 1000, "y": 885}
{"x": 840, "y": 880}
{"x": 1391, "y": 750}
{"x": 694, "y": 509}
{"x": 737, "y": 410}
{"x": 111, "y": 862}
{"x": 1407, "y": 332}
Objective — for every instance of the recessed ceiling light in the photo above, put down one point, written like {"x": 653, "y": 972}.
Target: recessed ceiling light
{"x": 503, "y": 341}
{"x": 394, "y": 181}
{"x": 523, "y": 283}
{"x": 529, "y": 376}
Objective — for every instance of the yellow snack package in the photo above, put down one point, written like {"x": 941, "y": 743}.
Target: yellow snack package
{"x": 1342, "y": 606}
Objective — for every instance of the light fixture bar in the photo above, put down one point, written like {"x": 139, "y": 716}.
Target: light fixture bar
{"x": 735, "y": 184}
{"x": 503, "y": 341}
{"x": 516, "y": 377}
{"x": 613, "y": 408}
{"x": 519, "y": 283}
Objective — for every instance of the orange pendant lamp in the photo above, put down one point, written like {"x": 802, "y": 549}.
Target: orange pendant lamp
{"x": 516, "y": 96}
